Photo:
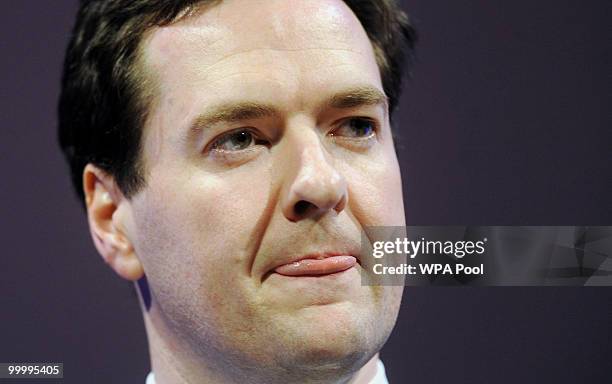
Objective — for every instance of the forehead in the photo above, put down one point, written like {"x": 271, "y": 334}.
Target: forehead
{"x": 238, "y": 26}
{"x": 284, "y": 52}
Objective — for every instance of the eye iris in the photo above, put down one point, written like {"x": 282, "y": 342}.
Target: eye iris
{"x": 238, "y": 140}
{"x": 361, "y": 127}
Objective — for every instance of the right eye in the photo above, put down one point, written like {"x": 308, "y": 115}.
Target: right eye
{"x": 237, "y": 140}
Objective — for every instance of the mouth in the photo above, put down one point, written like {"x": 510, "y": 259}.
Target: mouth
{"x": 317, "y": 265}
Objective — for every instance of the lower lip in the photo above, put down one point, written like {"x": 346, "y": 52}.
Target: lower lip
{"x": 317, "y": 267}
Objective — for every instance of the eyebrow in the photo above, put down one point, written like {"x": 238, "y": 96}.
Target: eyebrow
{"x": 246, "y": 110}
{"x": 232, "y": 112}
{"x": 357, "y": 97}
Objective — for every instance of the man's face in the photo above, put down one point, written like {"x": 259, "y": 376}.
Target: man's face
{"x": 266, "y": 143}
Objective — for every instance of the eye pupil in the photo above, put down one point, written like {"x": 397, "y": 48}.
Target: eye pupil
{"x": 242, "y": 138}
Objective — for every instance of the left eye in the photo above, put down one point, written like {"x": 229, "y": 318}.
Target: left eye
{"x": 356, "y": 128}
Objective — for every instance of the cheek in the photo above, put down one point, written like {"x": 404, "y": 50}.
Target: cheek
{"x": 194, "y": 230}
{"x": 375, "y": 190}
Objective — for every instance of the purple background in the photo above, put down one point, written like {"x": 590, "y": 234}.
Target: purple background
{"x": 507, "y": 121}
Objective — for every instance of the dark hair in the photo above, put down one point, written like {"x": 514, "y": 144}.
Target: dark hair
{"x": 104, "y": 97}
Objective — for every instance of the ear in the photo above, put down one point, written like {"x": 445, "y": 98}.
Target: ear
{"x": 108, "y": 212}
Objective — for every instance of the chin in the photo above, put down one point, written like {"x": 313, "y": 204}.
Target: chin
{"x": 330, "y": 359}
{"x": 333, "y": 336}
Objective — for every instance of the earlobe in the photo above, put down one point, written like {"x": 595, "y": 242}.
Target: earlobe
{"x": 106, "y": 214}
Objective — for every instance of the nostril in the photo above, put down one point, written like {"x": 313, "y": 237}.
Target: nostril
{"x": 301, "y": 207}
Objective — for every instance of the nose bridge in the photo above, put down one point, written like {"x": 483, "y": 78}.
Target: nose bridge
{"x": 313, "y": 185}
{"x": 313, "y": 161}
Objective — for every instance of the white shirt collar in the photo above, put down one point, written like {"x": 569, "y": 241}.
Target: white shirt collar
{"x": 379, "y": 378}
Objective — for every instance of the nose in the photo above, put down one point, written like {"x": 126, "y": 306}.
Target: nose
{"x": 314, "y": 187}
